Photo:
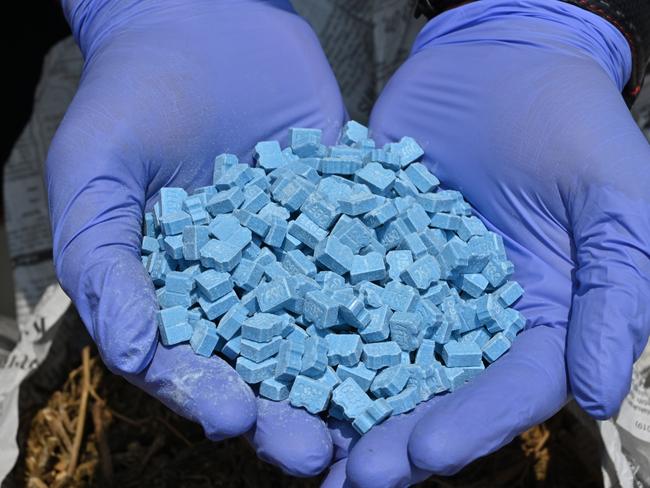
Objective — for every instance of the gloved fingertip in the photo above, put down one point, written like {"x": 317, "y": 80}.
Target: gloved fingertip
{"x": 377, "y": 473}
{"x": 599, "y": 389}
{"x": 291, "y": 438}
{"x": 380, "y": 457}
{"x": 336, "y": 477}
{"x": 309, "y": 463}
{"x": 205, "y": 390}
{"x": 227, "y": 406}
{"x": 119, "y": 305}
{"x": 231, "y": 417}
{"x": 599, "y": 410}
{"x": 429, "y": 451}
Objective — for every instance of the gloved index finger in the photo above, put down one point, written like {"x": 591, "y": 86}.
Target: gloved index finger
{"x": 205, "y": 390}
{"x": 291, "y": 438}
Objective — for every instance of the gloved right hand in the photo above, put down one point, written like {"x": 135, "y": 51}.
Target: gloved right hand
{"x": 166, "y": 86}
{"x": 518, "y": 105}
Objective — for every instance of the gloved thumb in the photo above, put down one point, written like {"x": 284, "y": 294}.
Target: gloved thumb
{"x": 96, "y": 202}
{"x": 610, "y": 313}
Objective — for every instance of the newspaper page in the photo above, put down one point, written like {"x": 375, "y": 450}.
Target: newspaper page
{"x": 626, "y": 437}
{"x": 40, "y": 302}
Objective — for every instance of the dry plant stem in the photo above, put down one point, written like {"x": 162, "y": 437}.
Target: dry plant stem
{"x": 81, "y": 419}
{"x": 65, "y": 419}
{"x": 534, "y": 445}
{"x": 105, "y": 461}
{"x": 158, "y": 443}
{"x": 128, "y": 420}
{"x": 36, "y": 483}
{"x": 174, "y": 431}
{"x": 95, "y": 395}
{"x": 57, "y": 427}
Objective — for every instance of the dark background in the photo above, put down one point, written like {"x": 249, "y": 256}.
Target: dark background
{"x": 29, "y": 29}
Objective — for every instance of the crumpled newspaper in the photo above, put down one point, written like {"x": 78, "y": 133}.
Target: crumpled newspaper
{"x": 40, "y": 301}
{"x": 626, "y": 437}
{"x": 365, "y": 42}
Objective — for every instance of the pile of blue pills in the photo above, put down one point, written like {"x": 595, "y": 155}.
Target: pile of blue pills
{"x": 340, "y": 278}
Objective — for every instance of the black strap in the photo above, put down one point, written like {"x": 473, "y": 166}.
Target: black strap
{"x": 631, "y": 17}
{"x": 431, "y": 8}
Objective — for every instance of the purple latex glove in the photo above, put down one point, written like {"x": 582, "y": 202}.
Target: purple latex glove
{"x": 517, "y": 104}
{"x": 167, "y": 86}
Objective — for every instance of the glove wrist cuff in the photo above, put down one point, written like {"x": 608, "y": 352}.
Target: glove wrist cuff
{"x": 630, "y": 17}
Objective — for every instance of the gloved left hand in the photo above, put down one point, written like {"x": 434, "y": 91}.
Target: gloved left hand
{"x": 167, "y": 86}
{"x": 518, "y": 105}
